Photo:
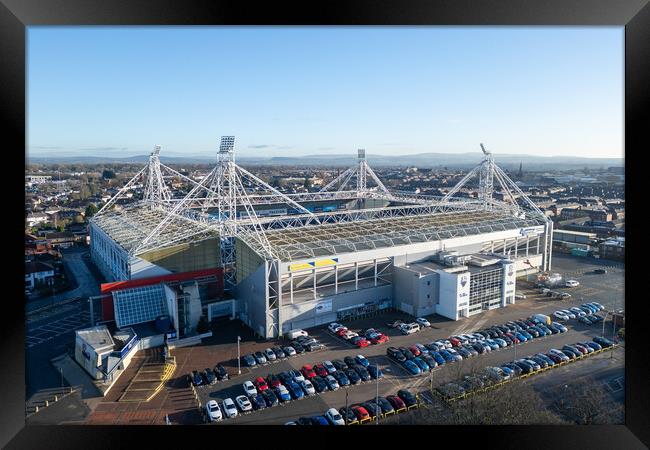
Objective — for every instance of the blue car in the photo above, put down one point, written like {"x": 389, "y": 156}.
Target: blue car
{"x": 342, "y": 378}
{"x": 361, "y": 360}
{"x": 319, "y": 420}
{"x": 421, "y": 364}
{"x": 295, "y": 390}
{"x": 258, "y": 402}
{"x": 374, "y": 371}
{"x": 527, "y": 334}
{"x": 521, "y": 336}
{"x": 508, "y": 371}
{"x": 412, "y": 367}
{"x": 438, "y": 357}
{"x": 448, "y": 356}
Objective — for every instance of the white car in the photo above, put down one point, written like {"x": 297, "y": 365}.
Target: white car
{"x": 333, "y": 327}
{"x": 409, "y": 328}
{"x": 443, "y": 343}
{"x": 333, "y": 416}
{"x": 349, "y": 335}
{"x": 571, "y": 283}
{"x": 601, "y": 307}
{"x": 214, "y": 412}
{"x": 289, "y": 351}
{"x": 560, "y": 315}
{"x": 249, "y": 389}
{"x": 478, "y": 337}
{"x": 578, "y": 312}
{"x": 329, "y": 366}
{"x": 244, "y": 403}
{"x": 331, "y": 381}
{"x": 308, "y": 387}
{"x": 471, "y": 338}
{"x": 423, "y": 322}
{"x": 569, "y": 314}
{"x": 270, "y": 355}
{"x": 229, "y": 408}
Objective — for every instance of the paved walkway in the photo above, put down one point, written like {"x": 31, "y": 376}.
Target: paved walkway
{"x": 76, "y": 376}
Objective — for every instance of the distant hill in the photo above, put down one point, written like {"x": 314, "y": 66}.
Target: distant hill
{"x": 459, "y": 160}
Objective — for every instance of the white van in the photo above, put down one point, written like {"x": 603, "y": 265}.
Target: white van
{"x": 409, "y": 328}
{"x": 293, "y": 334}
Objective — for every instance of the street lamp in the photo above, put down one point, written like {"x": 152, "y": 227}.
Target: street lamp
{"x": 377, "y": 395}
{"x": 238, "y": 356}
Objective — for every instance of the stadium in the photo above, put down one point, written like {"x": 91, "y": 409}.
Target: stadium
{"x": 291, "y": 261}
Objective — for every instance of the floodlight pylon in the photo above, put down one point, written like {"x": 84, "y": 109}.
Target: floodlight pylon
{"x": 360, "y": 172}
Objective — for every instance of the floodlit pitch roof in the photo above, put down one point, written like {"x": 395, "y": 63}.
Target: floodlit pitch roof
{"x": 128, "y": 227}
{"x": 332, "y": 239}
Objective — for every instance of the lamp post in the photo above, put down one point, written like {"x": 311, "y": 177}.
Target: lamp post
{"x": 346, "y": 407}
{"x": 238, "y": 356}
{"x": 377, "y": 395}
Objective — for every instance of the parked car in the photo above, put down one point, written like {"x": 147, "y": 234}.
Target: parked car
{"x": 408, "y": 354}
{"x": 462, "y": 351}
{"x": 297, "y": 347}
{"x": 270, "y": 398}
{"x": 319, "y": 384}
{"x": 289, "y": 350}
{"x": 423, "y": 322}
{"x": 340, "y": 365}
{"x": 374, "y": 371}
{"x": 349, "y": 335}
{"x": 427, "y": 359}
{"x": 514, "y": 367}
{"x": 396, "y": 402}
{"x": 294, "y": 389}
{"x": 372, "y": 408}
{"x": 304, "y": 421}
{"x": 360, "y": 359}
{"x": 396, "y": 354}
{"x": 360, "y": 412}
{"x": 334, "y": 327}
{"x": 421, "y": 364}
{"x": 379, "y": 338}
{"x": 348, "y": 415}
{"x": 314, "y": 346}
{"x": 249, "y": 360}
{"x": 332, "y": 384}
{"x": 334, "y": 417}
{"x": 561, "y": 327}
{"x": 243, "y": 403}
{"x": 577, "y": 311}
{"x": 258, "y": 402}
{"x": 583, "y": 349}
{"x": 320, "y": 370}
{"x": 524, "y": 365}
{"x": 213, "y": 410}
{"x": 319, "y": 420}
{"x": 221, "y": 372}
{"x": 360, "y": 341}
{"x": 296, "y": 375}
{"x": 282, "y": 392}
{"x": 600, "y": 271}
{"x": 341, "y": 377}
{"x": 409, "y": 328}
{"x": 604, "y": 342}
{"x": 412, "y": 367}
{"x": 571, "y": 283}
{"x": 349, "y": 360}
{"x": 229, "y": 408}
{"x": 195, "y": 378}
{"x": 385, "y": 405}
{"x": 362, "y": 372}
{"x": 438, "y": 358}
{"x": 279, "y": 353}
{"x": 308, "y": 387}
{"x": 408, "y": 398}
{"x": 594, "y": 345}
{"x": 260, "y": 358}
{"x": 353, "y": 376}
{"x": 209, "y": 376}
{"x": 448, "y": 357}
{"x": 329, "y": 367}
{"x": 308, "y": 371}
{"x": 394, "y": 324}
{"x": 249, "y": 387}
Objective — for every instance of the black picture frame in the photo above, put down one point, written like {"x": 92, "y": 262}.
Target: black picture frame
{"x": 16, "y": 15}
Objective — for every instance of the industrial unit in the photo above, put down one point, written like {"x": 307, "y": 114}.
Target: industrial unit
{"x": 289, "y": 263}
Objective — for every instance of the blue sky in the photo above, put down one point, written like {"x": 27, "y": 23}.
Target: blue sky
{"x": 118, "y": 91}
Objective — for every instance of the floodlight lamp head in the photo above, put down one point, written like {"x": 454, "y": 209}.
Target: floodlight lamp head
{"x": 156, "y": 150}
{"x": 485, "y": 151}
{"x": 361, "y": 153}
{"x": 227, "y": 144}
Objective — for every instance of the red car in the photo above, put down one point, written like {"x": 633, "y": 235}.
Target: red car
{"x": 416, "y": 351}
{"x": 273, "y": 380}
{"x": 320, "y": 370}
{"x": 341, "y": 332}
{"x": 307, "y": 371}
{"x": 360, "y": 412}
{"x": 513, "y": 338}
{"x": 362, "y": 343}
{"x": 396, "y": 402}
{"x": 455, "y": 342}
{"x": 380, "y": 339}
{"x": 260, "y": 384}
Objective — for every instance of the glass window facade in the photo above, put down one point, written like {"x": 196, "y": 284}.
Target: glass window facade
{"x": 138, "y": 305}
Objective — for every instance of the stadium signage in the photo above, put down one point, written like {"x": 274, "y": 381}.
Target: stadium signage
{"x": 531, "y": 230}
{"x": 314, "y": 264}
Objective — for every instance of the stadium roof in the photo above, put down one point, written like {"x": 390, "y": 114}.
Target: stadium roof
{"x": 332, "y": 239}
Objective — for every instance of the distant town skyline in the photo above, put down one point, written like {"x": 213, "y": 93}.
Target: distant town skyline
{"x": 296, "y": 91}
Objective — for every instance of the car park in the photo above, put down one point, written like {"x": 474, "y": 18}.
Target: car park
{"x": 260, "y": 358}
{"x": 249, "y": 360}
{"x": 213, "y": 411}
{"x": 243, "y": 403}
{"x": 340, "y": 365}
{"x": 283, "y": 393}
{"x": 341, "y": 378}
{"x": 196, "y": 378}
{"x": 319, "y": 384}
{"x": 279, "y": 353}
{"x": 221, "y": 372}
{"x": 396, "y": 354}
{"x": 412, "y": 367}
{"x": 249, "y": 387}
{"x": 353, "y": 376}
{"x": 423, "y": 322}
{"x": 332, "y": 384}
{"x": 334, "y": 417}
{"x": 270, "y": 397}
{"x": 348, "y": 415}
{"x": 229, "y": 408}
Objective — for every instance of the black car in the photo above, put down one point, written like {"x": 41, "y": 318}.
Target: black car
{"x": 600, "y": 271}
{"x": 408, "y": 354}
{"x": 521, "y": 324}
{"x": 341, "y": 378}
{"x": 603, "y": 342}
{"x": 319, "y": 383}
{"x": 339, "y": 365}
{"x": 348, "y": 415}
{"x": 249, "y": 360}
{"x": 515, "y": 368}
{"x": 427, "y": 359}
{"x": 462, "y": 352}
{"x": 385, "y": 405}
{"x": 349, "y": 360}
{"x": 374, "y": 371}
{"x": 372, "y": 408}
{"x": 353, "y": 376}
{"x": 407, "y": 397}
{"x": 362, "y": 372}
{"x": 572, "y": 349}
{"x": 533, "y": 331}
{"x": 470, "y": 349}
{"x": 297, "y": 346}
{"x": 195, "y": 378}
{"x": 485, "y": 334}
{"x": 304, "y": 420}
{"x": 209, "y": 376}
{"x": 432, "y": 347}
{"x": 396, "y": 354}
{"x": 524, "y": 366}
{"x": 279, "y": 353}
{"x": 285, "y": 377}
{"x": 221, "y": 372}
{"x": 480, "y": 348}
{"x": 541, "y": 361}
{"x": 270, "y": 398}
{"x": 258, "y": 401}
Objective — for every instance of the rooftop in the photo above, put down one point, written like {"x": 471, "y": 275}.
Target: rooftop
{"x": 98, "y": 337}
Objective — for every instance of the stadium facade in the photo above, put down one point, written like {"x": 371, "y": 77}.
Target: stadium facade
{"x": 301, "y": 260}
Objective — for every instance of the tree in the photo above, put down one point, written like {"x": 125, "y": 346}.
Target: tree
{"x": 91, "y": 210}
{"x": 108, "y": 174}
{"x": 308, "y": 183}
{"x": 203, "y": 326}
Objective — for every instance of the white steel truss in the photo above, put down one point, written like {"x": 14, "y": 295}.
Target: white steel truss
{"x": 359, "y": 172}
